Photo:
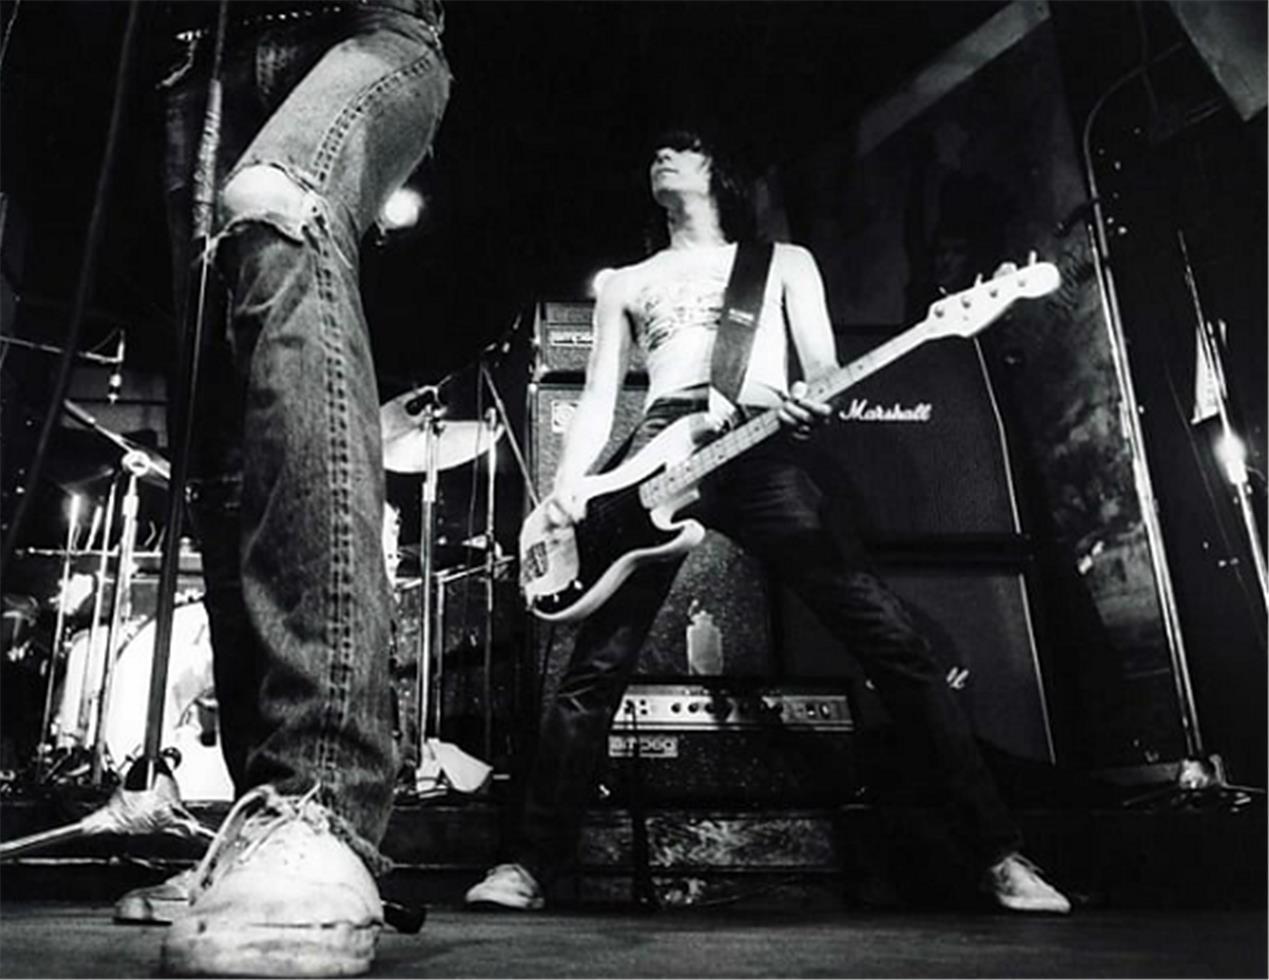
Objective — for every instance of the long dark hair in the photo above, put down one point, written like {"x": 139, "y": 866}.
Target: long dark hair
{"x": 728, "y": 185}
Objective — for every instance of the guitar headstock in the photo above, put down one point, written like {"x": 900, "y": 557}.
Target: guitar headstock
{"x": 965, "y": 313}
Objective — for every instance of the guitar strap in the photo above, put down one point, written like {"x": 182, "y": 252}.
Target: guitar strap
{"x": 738, "y": 322}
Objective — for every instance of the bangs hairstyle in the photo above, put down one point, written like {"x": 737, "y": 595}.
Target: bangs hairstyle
{"x": 727, "y": 185}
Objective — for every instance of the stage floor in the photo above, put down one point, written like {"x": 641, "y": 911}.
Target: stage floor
{"x": 46, "y": 939}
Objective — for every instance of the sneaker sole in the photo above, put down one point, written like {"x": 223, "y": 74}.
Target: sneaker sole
{"x": 1022, "y": 905}
{"x": 195, "y": 947}
{"x": 149, "y": 911}
{"x": 494, "y": 905}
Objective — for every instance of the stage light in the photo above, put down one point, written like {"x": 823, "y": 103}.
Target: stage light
{"x": 597, "y": 281}
{"x": 1232, "y": 453}
{"x": 401, "y": 210}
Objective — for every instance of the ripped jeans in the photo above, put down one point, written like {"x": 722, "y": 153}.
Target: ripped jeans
{"x": 323, "y": 117}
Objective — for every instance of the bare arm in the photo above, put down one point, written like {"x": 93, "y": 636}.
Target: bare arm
{"x": 592, "y": 421}
{"x": 812, "y": 333}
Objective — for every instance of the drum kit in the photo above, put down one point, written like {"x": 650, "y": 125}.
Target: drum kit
{"x": 96, "y": 697}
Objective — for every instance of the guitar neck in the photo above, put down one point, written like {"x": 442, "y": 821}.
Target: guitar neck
{"x": 682, "y": 477}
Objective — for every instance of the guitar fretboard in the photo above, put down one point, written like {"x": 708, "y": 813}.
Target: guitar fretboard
{"x": 682, "y": 477}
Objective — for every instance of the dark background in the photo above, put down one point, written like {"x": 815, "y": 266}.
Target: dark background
{"x": 539, "y": 175}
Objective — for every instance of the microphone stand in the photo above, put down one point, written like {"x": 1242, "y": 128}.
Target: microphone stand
{"x": 504, "y": 418}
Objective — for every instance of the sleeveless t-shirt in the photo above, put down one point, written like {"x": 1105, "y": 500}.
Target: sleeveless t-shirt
{"x": 675, "y": 320}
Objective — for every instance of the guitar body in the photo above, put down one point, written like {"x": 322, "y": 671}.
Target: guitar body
{"x": 569, "y": 572}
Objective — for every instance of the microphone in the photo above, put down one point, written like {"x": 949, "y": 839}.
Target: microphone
{"x": 114, "y": 385}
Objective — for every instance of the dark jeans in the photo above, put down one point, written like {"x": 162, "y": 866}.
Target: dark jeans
{"x": 287, "y": 494}
{"x": 769, "y": 504}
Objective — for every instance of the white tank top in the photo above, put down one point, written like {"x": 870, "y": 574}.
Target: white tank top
{"x": 675, "y": 320}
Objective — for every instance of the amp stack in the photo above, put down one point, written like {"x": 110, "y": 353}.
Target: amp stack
{"x": 736, "y": 732}
{"x": 919, "y": 455}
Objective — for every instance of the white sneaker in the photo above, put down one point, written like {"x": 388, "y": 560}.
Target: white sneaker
{"x": 277, "y": 894}
{"x": 157, "y": 904}
{"x": 509, "y": 886}
{"x": 1018, "y": 885}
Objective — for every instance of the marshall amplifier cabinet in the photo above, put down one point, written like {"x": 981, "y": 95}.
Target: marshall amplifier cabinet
{"x": 917, "y": 450}
{"x": 563, "y": 334}
{"x": 731, "y": 741}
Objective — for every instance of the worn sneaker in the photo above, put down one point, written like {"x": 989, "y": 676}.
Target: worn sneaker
{"x": 1018, "y": 885}
{"x": 157, "y": 904}
{"x": 277, "y": 894}
{"x": 508, "y": 886}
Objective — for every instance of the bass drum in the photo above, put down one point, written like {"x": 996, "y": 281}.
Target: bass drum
{"x": 190, "y": 716}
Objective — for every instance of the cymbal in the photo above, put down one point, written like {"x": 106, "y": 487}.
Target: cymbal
{"x": 405, "y": 442}
{"x": 139, "y": 460}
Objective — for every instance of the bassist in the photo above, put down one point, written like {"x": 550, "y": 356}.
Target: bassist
{"x": 670, "y": 304}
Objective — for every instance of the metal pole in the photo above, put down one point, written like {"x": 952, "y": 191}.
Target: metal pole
{"x": 426, "y": 534}
{"x": 119, "y": 612}
{"x": 71, "y": 528}
{"x": 491, "y": 430}
{"x": 1130, "y": 418}
{"x": 94, "y": 630}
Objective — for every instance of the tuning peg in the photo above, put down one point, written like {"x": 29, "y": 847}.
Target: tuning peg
{"x": 978, "y": 280}
{"x": 1032, "y": 258}
{"x": 1005, "y": 269}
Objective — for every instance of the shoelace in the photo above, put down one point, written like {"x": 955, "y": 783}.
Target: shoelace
{"x": 252, "y": 819}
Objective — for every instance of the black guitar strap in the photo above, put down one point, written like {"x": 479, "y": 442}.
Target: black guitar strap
{"x": 742, "y": 304}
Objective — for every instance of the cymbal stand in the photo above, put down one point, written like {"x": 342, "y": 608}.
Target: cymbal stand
{"x": 430, "y": 424}
{"x": 94, "y": 628}
{"x": 491, "y": 557}
{"x": 72, "y": 529}
{"x": 136, "y": 465}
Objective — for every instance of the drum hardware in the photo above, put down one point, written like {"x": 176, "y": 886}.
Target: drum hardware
{"x": 417, "y": 438}
{"x": 72, "y": 529}
{"x": 157, "y": 809}
{"x": 491, "y": 557}
{"x": 79, "y": 727}
{"x": 148, "y": 800}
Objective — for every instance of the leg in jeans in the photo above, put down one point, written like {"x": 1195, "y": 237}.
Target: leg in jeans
{"x": 773, "y": 509}
{"x": 575, "y": 732}
{"x": 348, "y": 118}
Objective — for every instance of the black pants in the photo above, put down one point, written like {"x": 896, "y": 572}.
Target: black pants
{"x": 769, "y": 504}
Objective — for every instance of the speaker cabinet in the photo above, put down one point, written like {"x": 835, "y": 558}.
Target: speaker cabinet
{"x": 917, "y": 449}
{"x": 563, "y": 335}
{"x": 979, "y": 622}
{"x": 716, "y": 576}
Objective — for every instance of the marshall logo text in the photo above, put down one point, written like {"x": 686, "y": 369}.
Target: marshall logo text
{"x": 860, "y": 410}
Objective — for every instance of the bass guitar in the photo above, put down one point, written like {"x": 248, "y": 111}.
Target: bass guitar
{"x": 568, "y": 572}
